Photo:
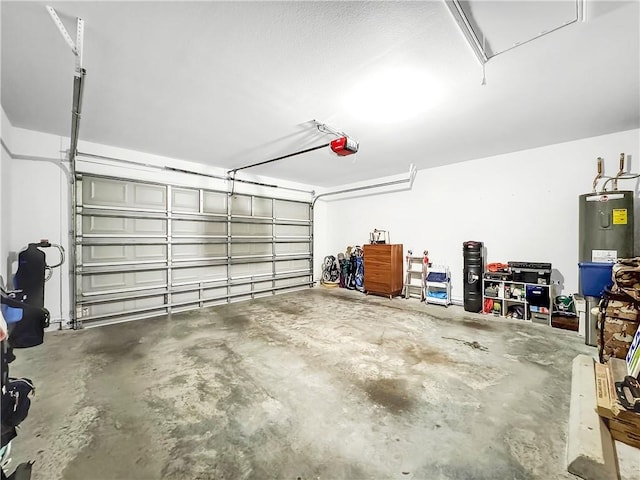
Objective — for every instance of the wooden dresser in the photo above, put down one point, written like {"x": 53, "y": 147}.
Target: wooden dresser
{"x": 383, "y": 269}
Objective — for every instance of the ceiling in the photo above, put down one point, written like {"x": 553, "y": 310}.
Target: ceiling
{"x": 234, "y": 83}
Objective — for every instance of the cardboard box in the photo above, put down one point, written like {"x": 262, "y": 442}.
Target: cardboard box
{"x": 624, "y": 425}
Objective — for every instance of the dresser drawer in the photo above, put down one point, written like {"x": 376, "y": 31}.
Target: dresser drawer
{"x": 378, "y": 276}
{"x": 379, "y": 287}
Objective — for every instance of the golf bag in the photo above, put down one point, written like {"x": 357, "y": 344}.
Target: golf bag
{"x": 355, "y": 278}
{"x": 351, "y": 273}
{"x": 359, "y": 274}
{"x": 330, "y": 272}
{"x": 342, "y": 263}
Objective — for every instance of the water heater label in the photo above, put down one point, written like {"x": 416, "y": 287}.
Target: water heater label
{"x": 604, "y": 256}
{"x": 619, "y": 216}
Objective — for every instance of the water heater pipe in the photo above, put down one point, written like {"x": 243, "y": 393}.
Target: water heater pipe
{"x": 627, "y": 176}
{"x": 620, "y": 172}
{"x": 599, "y": 175}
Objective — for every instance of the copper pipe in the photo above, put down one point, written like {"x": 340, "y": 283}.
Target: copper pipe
{"x": 620, "y": 172}
{"x": 599, "y": 175}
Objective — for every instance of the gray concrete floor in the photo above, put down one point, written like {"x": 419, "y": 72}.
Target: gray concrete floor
{"x": 322, "y": 383}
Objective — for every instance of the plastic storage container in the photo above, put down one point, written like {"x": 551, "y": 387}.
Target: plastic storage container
{"x": 595, "y": 278}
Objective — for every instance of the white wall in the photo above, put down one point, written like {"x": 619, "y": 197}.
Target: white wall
{"x": 35, "y": 197}
{"x": 34, "y": 202}
{"x": 522, "y": 205}
{"x": 5, "y": 200}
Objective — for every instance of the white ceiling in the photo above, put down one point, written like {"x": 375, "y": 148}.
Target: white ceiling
{"x": 232, "y": 83}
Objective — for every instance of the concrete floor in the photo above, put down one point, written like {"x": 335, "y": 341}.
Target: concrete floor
{"x": 323, "y": 383}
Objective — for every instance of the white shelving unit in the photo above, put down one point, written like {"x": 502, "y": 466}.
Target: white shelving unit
{"x": 438, "y": 285}
{"x": 535, "y": 299}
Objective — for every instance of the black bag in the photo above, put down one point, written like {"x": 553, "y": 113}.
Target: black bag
{"x": 30, "y": 274}
{"x": 29, "y": 331}
{"x": 16, "y": 401}
{"x": 22, "y": 472}
{"x": 8, "y": 434}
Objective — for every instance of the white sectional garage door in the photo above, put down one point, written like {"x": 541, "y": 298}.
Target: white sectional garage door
{"x": 145, "y": 249}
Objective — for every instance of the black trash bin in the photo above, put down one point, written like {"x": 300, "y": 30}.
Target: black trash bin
{"x": 472, "y": 253}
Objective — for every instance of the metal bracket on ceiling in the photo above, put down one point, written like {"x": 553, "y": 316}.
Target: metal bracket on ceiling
{"x": 76, "y": 47}
{"x": 324, "y": 128}
{"x": 581, "y": 10}
{"x": 479, "y": 48}
{"x": 78, "y": 80}
{"x": 467, "y": 30}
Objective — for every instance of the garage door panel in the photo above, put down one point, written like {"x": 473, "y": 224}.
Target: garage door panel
{"x": 119, "y": 193}
{"x": 197, "y": 251}
{"x": 248, "y": 270}
{"x": 150, "y": 252}
{"x": 150, "y": 277}
{"x": 262, "y": 285}
{"x": 96, "y": 225}
{"x": 149, "y": 196}
{"x": 214, "y": 303}
{"x": 266, "y": 293}
{"x": 182, "y": 297}
{"x": 293, "y": 248}
{"x": 251, "y": 229}
{"x": 240, "y": 289}
{"x": 199, "y": 274}
{"x": 142, "y": 226}
{"x": 101, "y": 254}
{"x": 214, "y": 293}
{"x": 286, "y": 282}
{"x": 158, "y": 251}
{"x": 291, "y": 265}
{"x": 196, "y": 228}
{"x": 241, "y": 205}
{"x": 105, "y": 282}
{"x": 185, "y": 200}
{"x": 248, "y": 249}
{"x": 262, "y": 207}
{"x": 105, "y": 192}
{"x": 110, "y": 308}
{"x": 291, "y": 210}
{"x": 292, "y": 230}
{"x": 105, "y": 225}
{"x": 214, "y": 202}
{"x": 198, "y": 296}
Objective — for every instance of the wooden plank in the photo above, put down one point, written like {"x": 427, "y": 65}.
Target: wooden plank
{"x": 590, "y": 450}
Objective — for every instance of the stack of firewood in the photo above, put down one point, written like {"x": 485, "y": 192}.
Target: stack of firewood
{"x": 620, "y": 310}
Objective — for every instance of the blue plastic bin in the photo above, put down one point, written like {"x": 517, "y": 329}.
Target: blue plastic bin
{"x": 594, "y": 278}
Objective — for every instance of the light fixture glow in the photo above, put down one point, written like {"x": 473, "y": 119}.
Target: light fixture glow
{"x": 394, "y": 95}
